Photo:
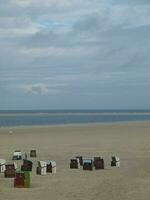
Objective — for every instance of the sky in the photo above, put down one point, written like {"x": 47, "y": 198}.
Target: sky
{"x": 74, "y": 54}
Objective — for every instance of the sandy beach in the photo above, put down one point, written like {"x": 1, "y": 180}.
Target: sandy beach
{"x": 130, "y": 141}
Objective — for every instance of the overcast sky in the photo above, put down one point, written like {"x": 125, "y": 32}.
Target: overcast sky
{"x": 74, "y": 54}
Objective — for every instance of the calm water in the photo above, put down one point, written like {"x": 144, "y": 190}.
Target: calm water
{"x": 17, "y": 118}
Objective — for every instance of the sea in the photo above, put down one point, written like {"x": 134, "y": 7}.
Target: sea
{"x": 60, "y": 117}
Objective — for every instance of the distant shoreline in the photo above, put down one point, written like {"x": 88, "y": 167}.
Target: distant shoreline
{"x": 73, "y": 113}
{"x": 77, "y": 124}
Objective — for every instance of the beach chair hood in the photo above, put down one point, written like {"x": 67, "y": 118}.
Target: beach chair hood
{"x": 42, "y": 163}
{"x": 2, "y": 165}
{"x": 17, "y": 153}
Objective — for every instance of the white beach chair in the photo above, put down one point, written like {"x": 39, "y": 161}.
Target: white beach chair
{"x": 115, "y": 162}
{"x": 51, "y": 166}
{"x": 17, "y": 155}
{"x": 42, "y": 165}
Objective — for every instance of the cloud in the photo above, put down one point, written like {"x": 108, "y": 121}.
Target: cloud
{"x": 110, "y": 17}
{"x": 23, "y": 3}
{"x": 37, "y": 89}
{"x": 131, "y": 2}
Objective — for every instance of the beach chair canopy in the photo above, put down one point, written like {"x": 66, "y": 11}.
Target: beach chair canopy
{"x": 89, "y": 161}
{"x": 98, "y": 158}
{"x": 42, "y": 163}
{"x": 115, "y": 158}
{"x": 2, "y": 165}
{"x": 2, "y": 162}
{"x": 74, "y": 160}
{"x": 11, "y": 164}
{"x": 17, "y": 153}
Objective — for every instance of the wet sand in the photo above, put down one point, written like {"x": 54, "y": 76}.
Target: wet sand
{"x": 130, "y": 141}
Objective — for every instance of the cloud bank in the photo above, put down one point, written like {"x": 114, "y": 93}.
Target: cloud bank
{"x": 68, "y": 51}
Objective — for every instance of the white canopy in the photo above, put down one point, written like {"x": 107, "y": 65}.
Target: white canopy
{"x": 2, "y": 165}
{"x": 2, "y": 162}
{"x": 42, "y": 163}
{"x": 17, "y": 153}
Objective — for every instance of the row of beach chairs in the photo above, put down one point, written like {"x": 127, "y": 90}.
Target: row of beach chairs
{"x": 45, "y": 167}
{"x": 22, "y": 176}
{"x": 88, "y": 164}
{"x": 17, "y": 155}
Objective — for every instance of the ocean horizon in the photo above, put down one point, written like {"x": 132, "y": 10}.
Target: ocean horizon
{"x": 58, "y": 117}
{"x": 53, "y": 111}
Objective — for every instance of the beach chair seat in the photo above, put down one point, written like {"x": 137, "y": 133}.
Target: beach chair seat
{"x": 10, "y": 170}
{"x": 51, "y": 166}
{"x": 74, "y": 163}
{"x": 38, "y": 170}
{"x": 115, "y": 162}
{"x": 33, "y": 153}
{"x": 98, "y": 163}
{"x": 88, "y": 164}
{"x": 27, "y": 165}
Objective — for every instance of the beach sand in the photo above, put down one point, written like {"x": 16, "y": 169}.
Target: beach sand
{"x": 129, "y": 141}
